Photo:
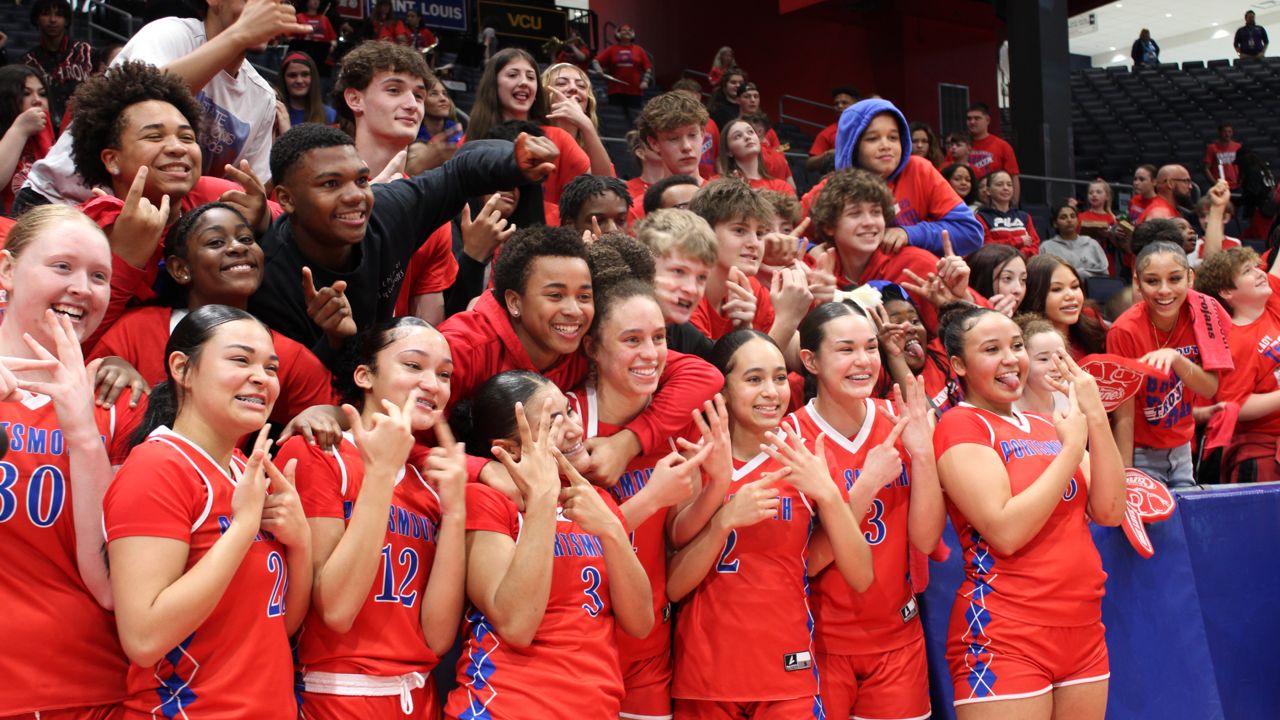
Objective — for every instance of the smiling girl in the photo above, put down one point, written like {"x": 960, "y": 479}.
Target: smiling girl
{"x": 1044, "y": 344}
{"x": 1026, "y": 636}
{"x": 1083, "y": 252}
{"x": 300, "y": 86}
{"x": 571, "y": 104}
{"x": 1001, "y": 222}
{"x": 999, "y": 273}
{"x": 1054, "y": 290}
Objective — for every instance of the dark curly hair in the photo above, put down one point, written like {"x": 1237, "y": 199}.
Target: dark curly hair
{"x": 586, "y": 187}
{"x": 514, "y": 264}
{"x": 850, "y": 185}
{"x": 616, "y": 258}
{"x": 299, "y": 140}
{"x": 366, "y": 60}
{"x": 101, "y": 103}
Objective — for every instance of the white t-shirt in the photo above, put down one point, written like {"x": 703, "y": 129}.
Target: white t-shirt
{"x": 240, "y": 113}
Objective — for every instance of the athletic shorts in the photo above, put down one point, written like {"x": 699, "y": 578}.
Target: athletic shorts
{"x": 892, "y": 685}
{"x": 1007, "y": 660}
{"x": 794, "y": 709}
{"x": 98, "y": 712}
{"x": 648, "y": 689}
{"x": 322, "y": 706}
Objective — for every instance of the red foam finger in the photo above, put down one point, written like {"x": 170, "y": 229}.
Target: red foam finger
{"x": 1147, "y": 497}
{"x": 1136, "y": 532}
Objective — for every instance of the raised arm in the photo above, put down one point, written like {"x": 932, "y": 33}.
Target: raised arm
{"x": 443, "y": 600}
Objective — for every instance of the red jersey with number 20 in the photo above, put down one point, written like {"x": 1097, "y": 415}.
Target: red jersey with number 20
{"x": 744, "y": 635}
{"x": 885, "y": 616}
{"x": 63, "y": 647}
{"x": 386, "y": 637}
{"x": 570, "y": 670}
{"x": 237, "y": 664}
{"x": 1056, "y": 579}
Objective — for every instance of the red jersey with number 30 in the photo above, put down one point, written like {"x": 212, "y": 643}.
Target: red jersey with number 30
{"x": 1056, "y": 579}
{"x": 570, "y": 670}
{"x": 237, "y": 663}
{"x": 743, "y": 634}
{"x": 649, "y": 539}
{"x": 63, "y": 651}
{"x": 884, "y": 617}
{"x": 386, "y": 637}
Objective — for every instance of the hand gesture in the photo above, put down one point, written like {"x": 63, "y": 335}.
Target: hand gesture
{"x": 113, "y": 376}
{"x": 675, "y": 478}
{"x": 934, "y": 288}
{"x": 809, "y": 472}
{"x": 740, "y": 302}
{"x": 1072, "y": 426}
{"x": 283, "y": 123}
{"x": 913, "y": 406}
{"x": 536, "y": 157}
{"x": 251, "y": 491}
{"x": 487, "y": 232}
{"x": 1163, "y": 359}
{"x": 536, "y": 473}
{"x": 822, "y": 276}
{"x": 1086, "y": 386}
{"x": 388, "y": 438}
{"x": 953, "y": 270}
{"x": 790, "y": 291}
{"x": 446, "y": 470}
{"x": 70, "y": 383}
{"x": 883, "y": 463}
{"x": 9, "y": 391}
{"x": 582, "y": 502}
{"x": 718, "y": 465}
{"x": 263, "y": 20}
{"x": 783, "y": 248}
{"x": 893, "y": 336}
{"x": 251, "y": 199}
{"x": 754, "y": 501}
{"x": 282, "y": 514}
{"x": 394, "y": 169}
{"x": 329, "y": 308}
{"x": 568, "y": 109}
{"x": 1220, "y": 194}
{"x": 316, "y": 425}
{"x": 1005, "y": 304}
{"x": 894, "y": 240}
{"x": 137, "y": 230}
{"x": 31, "y": 121}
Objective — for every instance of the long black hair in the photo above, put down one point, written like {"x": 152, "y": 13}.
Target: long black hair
{"x": 188, "y": 338}
{"x": 13, "y": 82}
{"x": 365, "y": 352}
{"x": 1087, "y": 333}
{"x": 489, "y": 415}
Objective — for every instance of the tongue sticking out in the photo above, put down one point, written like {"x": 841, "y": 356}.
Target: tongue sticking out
{"x": 914, "y": 350}
{"x": 1010, "y": 382}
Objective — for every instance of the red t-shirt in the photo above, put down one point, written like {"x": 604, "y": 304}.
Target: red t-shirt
{"x": 1056, "y": 579}
{"x": 237, "y": 663}
{"x": 1137, "y": 205}
{"x": 636, "y": 188}
{"x": 715, "y": 325}
{"x": 627, "y": 63}
{"x": 920, "y": 192}
{"x": 432, "y": 268}
{"x": 1158, "y": 208}
{"x": 826, "y": 140}
{"x": 573, "y": 161}
{"x": 1162, "y": 410}
{"x": 1255, "y": 350}
{"x": 570, "y": 669}
{"x": 141, "y": 334}
{"x": 751, "y": 611}
{"x": 63, "y": 649}
{"x": 774, "y": 184}
{"x": 386, "y": 637}
{"x": 710, "y": 150}
{"x": 990, "y": 154}
{"x": 775, "y": 163}
{"x": 649, "y": 539}
{"x": 321, "y": 28}
{"x": 1012, "y": 227}
{"x": 1224, "y": 155}
{"x": 848, "y": 622}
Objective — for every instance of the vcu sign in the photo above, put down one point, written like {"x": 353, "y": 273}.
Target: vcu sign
{"x": 524, "y": 21}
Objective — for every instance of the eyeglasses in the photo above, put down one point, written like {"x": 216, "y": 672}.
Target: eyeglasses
{"x": 1180, "y": 180}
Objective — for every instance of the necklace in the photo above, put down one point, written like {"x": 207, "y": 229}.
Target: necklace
{"x": 1163, "y": 343}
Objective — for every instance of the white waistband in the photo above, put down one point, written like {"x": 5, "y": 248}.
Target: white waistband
{"x": 366, "y": 685}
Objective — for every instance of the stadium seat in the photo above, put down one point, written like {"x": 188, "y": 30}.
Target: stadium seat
{"x": 1100, "y": 289}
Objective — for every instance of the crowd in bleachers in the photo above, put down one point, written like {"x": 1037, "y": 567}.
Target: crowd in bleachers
{"x": 306, "y": 383}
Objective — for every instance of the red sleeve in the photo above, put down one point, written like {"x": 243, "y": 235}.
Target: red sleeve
{"x": 987, "y": 237}
{"x": 605, "y": 56}
{"x": 826, "y": 140}
{"x": 304, "y": 381}
{"x": 765, "y": 314}
{"x": 1211, "y": 159}
{"x": 645, "y": 62}
{"x": 1121, "y": 340}
{"x": 1238, "y": 385}
{"x": 474, "y": 357}
{"x": 491, "y": 511}
{"x": 433, "y": 268}
{"x": 318, "y": 478}
{"x": 687, "y": 382}
{"x": 118, "y": 424}
{"x": 572, "y": 163}
{"x": 1010, "y": 159}
{"x": 1034, "y": 248}
{"x": 155, "y": 494}
{"x": 960, "y": 426}
{"x": 932, "y": 191}
{"x": 806, "y": 202}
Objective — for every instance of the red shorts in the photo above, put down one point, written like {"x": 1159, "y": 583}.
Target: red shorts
{"x": 891, "y": 685}
{"x": 1006, "y": 659}
{"x": 322, "y": 706}
{"x": 98, "y": 712}
{"x": 794, "y": 709}
{"x": 648, "y": 689}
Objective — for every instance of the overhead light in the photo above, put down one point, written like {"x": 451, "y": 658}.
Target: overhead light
{"x": 1117, "y": 58}
{"x": 1112, "y": 49}
{"x": 1213, "y": 24}
{"x": 1168, "y": 14}
{"x": 1221, "y": 34}
{"x": 1119, "y": 5}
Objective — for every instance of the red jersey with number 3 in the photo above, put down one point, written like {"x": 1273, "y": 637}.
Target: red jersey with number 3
{"x": 885, "y": 616}
{"x": 1056, "y": 579}
{"x": 386, "y": 637}
{"x": 237, "y": 663}
{"x": 570, "y": 670}
{"x": 649, "y": 539}
{"x": 63, "y": 650}
{"x": 744, "y": 634}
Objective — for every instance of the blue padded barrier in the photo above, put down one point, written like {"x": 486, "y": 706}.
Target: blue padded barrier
{"x": 1193, "y": 632}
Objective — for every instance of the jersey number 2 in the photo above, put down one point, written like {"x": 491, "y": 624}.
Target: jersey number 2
{"x": 276, "y": 566}
{"x": 726, "y": 565}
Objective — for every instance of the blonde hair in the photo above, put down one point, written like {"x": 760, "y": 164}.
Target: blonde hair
{"x": 41, "y": 219}
{"x": 548, "y": 78}
{"x": 676, "y": 231}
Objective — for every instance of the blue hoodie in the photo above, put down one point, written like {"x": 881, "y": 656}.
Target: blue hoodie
{"x": 959, "y": 222}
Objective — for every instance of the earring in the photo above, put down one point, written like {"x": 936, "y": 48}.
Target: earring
{"x": 515, "y": 313}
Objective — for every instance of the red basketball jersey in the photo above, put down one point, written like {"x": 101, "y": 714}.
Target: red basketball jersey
{"x": 386, "y": 637}
{"x": 1056, "y": 579}
{"x": 885, "y": 616}
{"x": 745, "y": 634}
{"x": 63, "y": 651}
{"x": 570, "y": 670}
{"x": 649, "y": 539}
{"x": 237, "y": 663}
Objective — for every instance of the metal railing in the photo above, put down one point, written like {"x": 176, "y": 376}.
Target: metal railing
{"x": 96, "y": 28}
{"x": 784, "y": 116}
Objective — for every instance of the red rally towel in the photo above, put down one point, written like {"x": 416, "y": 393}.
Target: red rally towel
{"x": 1211, "y": 324}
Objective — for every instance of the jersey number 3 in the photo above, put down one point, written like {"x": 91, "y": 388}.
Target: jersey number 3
{"x": 593, "y": 605}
